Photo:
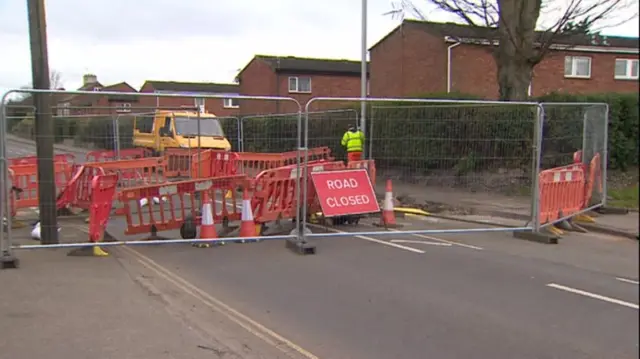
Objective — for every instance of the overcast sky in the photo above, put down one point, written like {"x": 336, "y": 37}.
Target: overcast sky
{"x": 187, "y": 40}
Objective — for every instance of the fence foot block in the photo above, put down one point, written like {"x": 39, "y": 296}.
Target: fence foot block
{"x": 300, "y": 247}
{"x": 9, "y": 261}
{"x": 612, "y": 210}
{"x": 94, "y": 251}
{"x": 536, "y": 237}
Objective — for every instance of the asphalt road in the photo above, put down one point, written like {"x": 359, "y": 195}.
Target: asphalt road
{"x": 459, "y": 296}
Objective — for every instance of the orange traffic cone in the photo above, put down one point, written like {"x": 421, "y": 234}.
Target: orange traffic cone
{"x": 247, "y": 224}
{"x": 388, "y": 217}
{"x": 207, "y": 228}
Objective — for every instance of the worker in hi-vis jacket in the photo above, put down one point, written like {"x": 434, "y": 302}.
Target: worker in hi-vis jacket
{"x": 353, "y": 141}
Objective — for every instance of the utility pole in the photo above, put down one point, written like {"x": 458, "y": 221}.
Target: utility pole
{"x": 43, "y": 122}
{"x": 363, "y": 75}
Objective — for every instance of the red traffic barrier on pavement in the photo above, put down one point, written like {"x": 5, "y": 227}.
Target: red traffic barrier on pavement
{"x": 343, "y": 193}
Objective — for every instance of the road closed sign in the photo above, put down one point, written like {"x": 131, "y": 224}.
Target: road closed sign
{"x": 343, "y": 193}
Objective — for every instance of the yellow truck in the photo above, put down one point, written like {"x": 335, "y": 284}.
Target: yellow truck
{"x": 178, "y": 129}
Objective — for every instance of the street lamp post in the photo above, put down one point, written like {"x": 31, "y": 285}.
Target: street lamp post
{"x": 363, "y": 72}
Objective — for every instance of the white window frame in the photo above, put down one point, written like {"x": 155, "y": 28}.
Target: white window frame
{"x": 296, "y": 88}
{"x": 123, "y": 107}
{"x": 199, "y": 103}
{"x": 65, "y": 109}
{"x": 574, "y": 60}
{"x": 228, "y": 103}
{"x": 629, "y": 68}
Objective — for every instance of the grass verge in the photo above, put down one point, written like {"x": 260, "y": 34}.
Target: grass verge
{"x": 626, "y": 197}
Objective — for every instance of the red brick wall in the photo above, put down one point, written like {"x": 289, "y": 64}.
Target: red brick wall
{"x": 473, "y": 71}
{"x": 323, "y": 86}
{"x": 258, "y": 79}
{"x": 549, "y": 75}
{"x": 212, "y": 105}
{"x": 411, "y": 62}
{"x": 407, "y": 63}
{"x": 97, "y": 104}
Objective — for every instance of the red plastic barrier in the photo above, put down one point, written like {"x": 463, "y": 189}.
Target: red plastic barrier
{"x": 561, "y": 193}
{"x": 252, "y": 164}
{"x": 178, "y": 161}
{"x": 33, "y": 160}
{"x": 25, "y": 177}
{"x": 79, "y": 190}
{"x": 314, "y": 154}
{"x": 369, "y": 165}
{"x": 214, "y": 164}
{"x": 130, "y": 173}
{"x": 110, "y": 155}
{"x": 274, "y": 195}
{"x": 103, "y": 190}
{"x": 165, "y": 207}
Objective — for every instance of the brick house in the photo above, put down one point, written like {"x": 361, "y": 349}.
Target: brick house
{"x": 419, "y": 57}
{"x": 96, "y": 105}
{"x": 218, "y": 106}
{"x": 296, "y": 77}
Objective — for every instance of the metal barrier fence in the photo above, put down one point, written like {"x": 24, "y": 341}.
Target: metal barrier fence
{"x": 101, "y": 127}
{"x": 471, "y": 162}
{"x": 460, "y": 157}
{"x": 95, "y": 137}
{"x": 275, "y": 132}
{"x": 576, "y": 134}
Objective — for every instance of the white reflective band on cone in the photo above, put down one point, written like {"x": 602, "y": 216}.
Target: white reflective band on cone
{"x": 35, "y": 232}
{"x": 247, "y": 215}
{"x": 207, "y": 214}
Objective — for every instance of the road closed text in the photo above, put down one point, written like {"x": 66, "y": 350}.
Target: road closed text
{"x": 345, "y": 192}
{"x": 348, "y": 201}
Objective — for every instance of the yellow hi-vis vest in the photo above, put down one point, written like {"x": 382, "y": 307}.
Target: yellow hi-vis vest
{"x": 353, "y": 141}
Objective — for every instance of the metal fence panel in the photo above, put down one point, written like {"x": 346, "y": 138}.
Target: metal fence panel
{"x": 271, "y": 133}
{"x": 577, "y": 129}
{"x": 468, "y": 160}
{"x": 80, "y": 130}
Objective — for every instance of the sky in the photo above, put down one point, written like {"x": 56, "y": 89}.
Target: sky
{"x": 189, "y": 40}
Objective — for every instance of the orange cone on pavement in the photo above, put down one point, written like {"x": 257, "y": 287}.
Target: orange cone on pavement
{"x": 388, "y": 217}
{"x": 207, "y": 228}
{"x": 247, "y": 224}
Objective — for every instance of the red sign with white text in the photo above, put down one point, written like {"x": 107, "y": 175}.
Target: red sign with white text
{"x": 343, "y": 193}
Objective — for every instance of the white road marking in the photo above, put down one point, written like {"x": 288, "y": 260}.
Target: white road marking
{"x": 443, "y": 240}
{"x": 392, "y": 244}
{"x": 366, "y": 238}
{"x": 628, "y": 280}
{"x": 593, "y": 295}
{"x": 421, "y": 242}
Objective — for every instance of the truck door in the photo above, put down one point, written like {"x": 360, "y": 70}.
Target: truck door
{"x": 166, "y": 134}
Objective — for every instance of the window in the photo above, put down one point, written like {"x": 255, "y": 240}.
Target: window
{"x": 188, "y": 126}
{"x": 123, "y": 107}
{"x": 231, "y": 103}
{"x": 97, "y": 89}
{"x": 577, "y": 66}
{"x": 626, "y": 69}
{"x": 144, "y": 124}
{"x": 199, "y": 103}
{"x": 64, "y": 109}
{"x": 300, "y": 84}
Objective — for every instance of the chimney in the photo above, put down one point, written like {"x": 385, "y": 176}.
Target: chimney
{"x": 89, "y": 79}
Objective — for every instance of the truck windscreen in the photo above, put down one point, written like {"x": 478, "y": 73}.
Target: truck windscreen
{"x": 188, "y": 126}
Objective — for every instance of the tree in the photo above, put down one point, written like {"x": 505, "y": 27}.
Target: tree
{"x": 55, "y": 82}
{"x": 517, "y": 46}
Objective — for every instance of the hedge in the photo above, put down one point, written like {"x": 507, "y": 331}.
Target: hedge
{"x": 419, "y": 138}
